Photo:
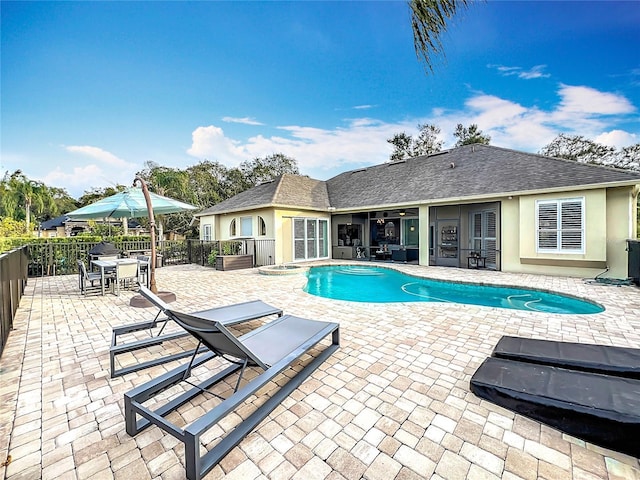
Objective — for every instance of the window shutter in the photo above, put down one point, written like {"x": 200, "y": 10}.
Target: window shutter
{"x": 571, "y": 224}
{"x": 560, "y": 225}
{"x": 548, "y": 225}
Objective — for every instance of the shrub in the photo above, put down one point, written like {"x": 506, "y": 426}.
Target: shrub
{"x": 211, "y": 259}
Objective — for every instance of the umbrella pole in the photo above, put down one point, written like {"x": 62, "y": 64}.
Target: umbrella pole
{"x": 152, "y": 233}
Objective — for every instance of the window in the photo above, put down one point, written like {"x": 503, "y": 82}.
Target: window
{"x": 310, "y": 238}
{"x": 246, "y": 226}
{"x": 206, "y": 232}
{"x": 232, "y": 228}
{"x": 262, "y": 226}
{"x": 560, "y": 225}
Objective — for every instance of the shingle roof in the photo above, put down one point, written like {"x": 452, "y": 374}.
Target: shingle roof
{"x": 478, "y": 170}
{"x": 286, "y": 190}
{"x": 54, "y": 222}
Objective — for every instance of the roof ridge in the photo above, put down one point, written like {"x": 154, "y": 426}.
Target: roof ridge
{"x": 276, "y": 191}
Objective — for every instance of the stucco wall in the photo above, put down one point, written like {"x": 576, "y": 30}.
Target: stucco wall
{"x": 284, "y": 231}
{"x": 607, "y": 225}
{"x": 621, "y": 225}
{"x": 221, "y": 224}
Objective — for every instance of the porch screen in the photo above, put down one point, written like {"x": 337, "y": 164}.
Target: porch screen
{"x": 560, "y": 226}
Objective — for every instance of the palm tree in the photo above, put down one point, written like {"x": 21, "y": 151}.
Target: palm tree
{"x": 429, "y": 21}
{"x": 31, "y": 195}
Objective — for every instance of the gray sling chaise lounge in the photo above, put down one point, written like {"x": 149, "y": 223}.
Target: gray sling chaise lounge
{"x": 271, "y": 348}
{"x": 226, "y": 315}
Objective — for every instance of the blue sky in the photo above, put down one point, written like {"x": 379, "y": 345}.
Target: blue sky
{"x": 92, "y": 90}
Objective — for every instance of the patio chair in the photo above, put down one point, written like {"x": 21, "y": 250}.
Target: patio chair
{"x": 144, "y": 261}
{"x": 127, "y": 275}
{"x": 271, "y": 348}
{"x": 226, "y": 315}
{"x": 89, "y": 282}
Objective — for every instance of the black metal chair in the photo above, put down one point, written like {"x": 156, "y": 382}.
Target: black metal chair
{"x": 89, "y": 282}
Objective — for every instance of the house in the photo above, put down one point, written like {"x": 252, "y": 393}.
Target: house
{"x": 475, "y": 205}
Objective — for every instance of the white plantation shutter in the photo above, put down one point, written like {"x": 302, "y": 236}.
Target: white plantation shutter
{"x": 571, "y": 225}
{"x": 560, "y": 225}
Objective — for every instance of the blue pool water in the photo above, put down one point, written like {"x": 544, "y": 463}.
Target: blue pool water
{"x": 383, "y": 285}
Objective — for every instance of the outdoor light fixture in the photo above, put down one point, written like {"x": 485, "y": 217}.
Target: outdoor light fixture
{"x": 402, "y": 213}
{"x": 412, "y": 228}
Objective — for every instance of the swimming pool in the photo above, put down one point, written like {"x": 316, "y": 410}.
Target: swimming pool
{"x": 384, "y": 285}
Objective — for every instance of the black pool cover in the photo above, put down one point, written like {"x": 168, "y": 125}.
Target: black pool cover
{"x": 599, "y": 408}
{"x": 605, "y": 359}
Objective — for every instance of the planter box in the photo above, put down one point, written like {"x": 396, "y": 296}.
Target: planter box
{"x": 234, "y": 262}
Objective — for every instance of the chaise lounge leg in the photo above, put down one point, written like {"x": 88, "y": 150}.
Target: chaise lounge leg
{"x": 193, "y": 463}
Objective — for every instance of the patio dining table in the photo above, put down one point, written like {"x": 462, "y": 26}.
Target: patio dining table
{"x": 105, "y": 265}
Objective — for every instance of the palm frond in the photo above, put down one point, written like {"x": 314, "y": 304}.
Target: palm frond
{"x": 429, "y": 20}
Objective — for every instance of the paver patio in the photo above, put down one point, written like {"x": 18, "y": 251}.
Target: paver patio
{"x": 392, "y": 403}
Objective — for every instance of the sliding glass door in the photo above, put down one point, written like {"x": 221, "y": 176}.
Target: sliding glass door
{"x": 310, "y": 238}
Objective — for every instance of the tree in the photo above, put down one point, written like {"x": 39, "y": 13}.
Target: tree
{"x": 208, "y": 183}
{"x": 401, "y": 146}
{"x": 579, "y": 149}
{"x": 583, "y": 150}
{"x": 12, "y": 228}
{"x": 63, "y": 202}
{"x": 95, "y": 194}
{"x": 405, "y": 146}
{"x": 22, "y": 197}
{"x": 261, "y": 170}
{"x": 470, "y": 135}
{"x": 628, "y": 158}
{"x": 429, "y": 22}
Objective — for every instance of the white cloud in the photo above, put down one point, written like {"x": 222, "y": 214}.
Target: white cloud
{"x": 589, "y": 101}
{"x": 363, "y": 107}
{"x": 106, "y": 170}
{"x": 243, "y": 120}
{"x": 617, "y": 138}
{"x": 211, "y": 143}
{"x": 536, "y": 71}
{"x": 98, "y": 154}
{"x": 363, "y": 141}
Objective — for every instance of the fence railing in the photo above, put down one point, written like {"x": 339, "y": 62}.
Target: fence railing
{"x": 13, "y": 279}
{"x": 263, "y": 251}
{"x": 60, "y": 258}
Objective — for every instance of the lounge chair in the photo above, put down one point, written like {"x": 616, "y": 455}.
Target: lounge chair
{"x": 272, "y": 348}
{"x": 601, "y": 409}
{"x": 603, "y": 359}
{"x": 226, "y": 315}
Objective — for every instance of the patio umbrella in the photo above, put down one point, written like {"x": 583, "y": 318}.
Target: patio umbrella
{"x": 135, "y": 202}
{"x": 130, "y": 203}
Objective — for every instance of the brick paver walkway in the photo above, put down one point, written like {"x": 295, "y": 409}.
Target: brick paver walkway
{"x": 392, "y": 403}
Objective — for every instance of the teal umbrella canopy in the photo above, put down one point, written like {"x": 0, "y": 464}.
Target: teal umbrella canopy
{"x": 131, "y": 204}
